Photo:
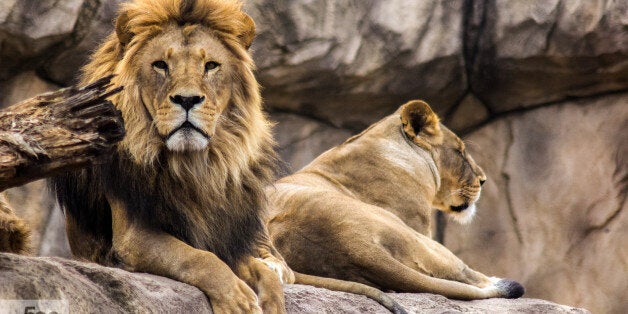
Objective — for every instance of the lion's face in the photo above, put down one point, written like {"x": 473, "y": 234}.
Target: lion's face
{"x": 185, "y": 77}
{"x": 461, "y": 178}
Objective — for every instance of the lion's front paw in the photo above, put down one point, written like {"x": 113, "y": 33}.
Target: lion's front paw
{"x": 240, "y": 298}
{"x": 280, "y": 268}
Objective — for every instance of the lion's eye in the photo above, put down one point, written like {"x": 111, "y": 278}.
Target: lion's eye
{"x": 161, "y": 65}
{"x": 211, "y": 65}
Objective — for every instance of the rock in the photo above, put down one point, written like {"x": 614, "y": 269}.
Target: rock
{"x": 469, "y": 113}
{"x": 92, "y": 26}
{"x": 23, "y": 86}
{"x": 554, "y": 214}
{"x": 88, "y": 287}
{"x": 54, "y": 240}
{"x": 31, "y": 28}
{"x": 301, "y": 139}
{"x": 532, "y": 52}
{"x": 350, "y": 63}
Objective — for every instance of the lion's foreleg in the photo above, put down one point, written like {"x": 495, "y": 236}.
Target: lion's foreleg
{"x": 159, "y": 253}
{"x": 269, "y": 255}
{"x": 265, "y": 282}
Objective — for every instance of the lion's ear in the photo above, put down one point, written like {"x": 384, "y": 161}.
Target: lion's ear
{"x": 421, "y": 124}
{"x": 122, "y": 29}
{"x": 248, "y": 32}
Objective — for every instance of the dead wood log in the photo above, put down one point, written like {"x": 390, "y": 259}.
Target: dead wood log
{"x": 56, "y": 132}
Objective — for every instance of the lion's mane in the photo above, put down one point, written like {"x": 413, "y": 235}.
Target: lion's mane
{"x": 212, "y": 199}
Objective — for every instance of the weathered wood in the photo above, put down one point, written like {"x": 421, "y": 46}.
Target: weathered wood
{"x": 56, "y": 132}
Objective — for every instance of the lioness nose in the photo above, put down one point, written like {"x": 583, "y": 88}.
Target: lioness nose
{"x": 482, "y": 181}
{"x": 187, "y": 102}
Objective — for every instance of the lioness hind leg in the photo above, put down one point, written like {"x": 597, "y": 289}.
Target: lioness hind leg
{"x": 391, "y": 274}
{"x": 431, "y": 258}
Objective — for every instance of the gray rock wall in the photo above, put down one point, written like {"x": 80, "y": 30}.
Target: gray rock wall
{"x": 540, "y": 88}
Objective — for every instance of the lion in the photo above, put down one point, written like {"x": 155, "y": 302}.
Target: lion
{"x": 182, "y": 196}
{"x": 362, "y": 211}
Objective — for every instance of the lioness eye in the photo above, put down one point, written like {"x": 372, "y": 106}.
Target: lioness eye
{"x": 211, "y": 65}
{"x": 161, "y": 65}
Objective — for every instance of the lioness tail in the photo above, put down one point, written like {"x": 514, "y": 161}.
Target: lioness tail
{"x": 351, "y": 287}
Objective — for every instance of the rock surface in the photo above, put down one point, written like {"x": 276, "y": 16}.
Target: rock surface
{"x": 89, "y": 287}
{"x": 528, "y": 53}
{"x": 349, "y": 62}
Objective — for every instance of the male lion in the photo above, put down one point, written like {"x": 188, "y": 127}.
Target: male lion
{"x": 361, "y": 211}
{"x": 183, "y": 194}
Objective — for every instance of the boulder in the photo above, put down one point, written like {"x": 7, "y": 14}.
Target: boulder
{"x": 527, "y": 53}
{"x": 88, "y": 287}
{"x": 553, "y": 214}
{"x": 92, "y": 26}
{"x": 351, "y": 62}
{"x": 302, "y": 139}
{"x": 29, "y": 29}
{"x": 23, "y": 86}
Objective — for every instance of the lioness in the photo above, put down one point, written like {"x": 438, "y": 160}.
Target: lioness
{"x": 361, "y": 211}
{"x": 183, "y": 194}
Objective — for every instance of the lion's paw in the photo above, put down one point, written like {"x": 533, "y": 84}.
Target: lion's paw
{"x": 280, "y": 268}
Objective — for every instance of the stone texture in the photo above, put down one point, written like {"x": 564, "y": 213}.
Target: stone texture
{"x": 31, "y": 28}
{"x": 301, "y": 139}
{"x": 525, "y": 53}
{"x": 351, "y": 62}
{"x": 92, "y": 26}
{"x": 23, "y": 86}
{"x": 92, "y": 288}
{"x": 469, "y": 113}
{"x": 554, "y": 214}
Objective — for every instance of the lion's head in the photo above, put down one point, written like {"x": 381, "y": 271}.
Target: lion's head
{"x": 187, "y": 73}
{"x": 461, "y": 178}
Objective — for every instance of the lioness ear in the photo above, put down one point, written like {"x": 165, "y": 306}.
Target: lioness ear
{"x": 421, "y": 124}
{"x": 122, "y": 29}
{"x": 248, "y": 32}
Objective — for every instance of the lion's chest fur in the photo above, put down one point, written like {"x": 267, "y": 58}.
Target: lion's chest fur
{"x": 225, "y": 224}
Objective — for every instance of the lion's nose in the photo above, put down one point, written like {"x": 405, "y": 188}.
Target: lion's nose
{"x": 482, "y": 181}
{"x": 187, "y": 102}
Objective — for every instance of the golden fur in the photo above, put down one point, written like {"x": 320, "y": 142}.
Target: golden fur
{"x": 362, "y": 211}
{"x": 14, "y": 233}
{"x": 183, "y": 195}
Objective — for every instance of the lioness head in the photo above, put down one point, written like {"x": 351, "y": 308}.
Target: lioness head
{"x": 461, "y": 178}
{"x": 187, "y": 74}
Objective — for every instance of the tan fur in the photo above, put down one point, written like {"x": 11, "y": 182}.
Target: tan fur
{"x": 14, "y": 233}
{"x": 362, "y": 211}
{"x": 209, "y": 179}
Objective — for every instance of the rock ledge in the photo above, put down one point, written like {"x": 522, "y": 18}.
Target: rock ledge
{"x": 92, "y": 288}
